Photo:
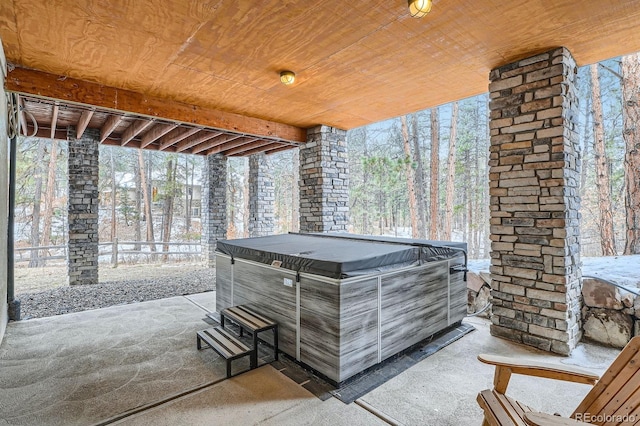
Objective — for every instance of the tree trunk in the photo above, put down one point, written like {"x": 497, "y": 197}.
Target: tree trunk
{"x": 167, "y": 210}
{"x": 408, "y": 171}
{"x": 631, "y": 135}
{"x": 585, "y": 147}
{"x": 34, "y": 261}
{"x": 49, "y": 197}
{"x": 295, "y": 192}
{"x": 607, "y": 236}
{"x": 138, "y": 204}
{"x": 146, "y": 195}
{"x": 417, "y": 158}
{"x": 451, "y": 173}
{"x": 434, "y": 190}
{"x": 245, "y": 199}
{"x": 187, "y": 192}
{"x": 114, "y": 219}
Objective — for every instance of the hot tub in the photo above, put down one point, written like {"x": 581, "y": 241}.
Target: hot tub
{"x": 344, "y": 303}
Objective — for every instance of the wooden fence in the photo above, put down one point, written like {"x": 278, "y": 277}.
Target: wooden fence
{"x": 117, "y": 250}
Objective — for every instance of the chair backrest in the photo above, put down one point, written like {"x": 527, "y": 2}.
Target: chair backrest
{"x": 615, "y": 399}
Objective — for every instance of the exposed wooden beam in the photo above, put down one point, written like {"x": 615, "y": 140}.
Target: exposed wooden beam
{"x": 23, "y": 116}
{"x": 156, "y": 132}
{"x": 176, "y": 136}
{"x": 215, "y": 142}
{"x": 39, "y": 83}
{"x": 280, "y": 149}
{"x": 109, "y": 126}
{"x": 226, "y": 146}
{"x": 135, "y": 128}
{"x": 83, "y": 122}
{"x": 248, "y": 146}
{"x": 196, "y": 139}
{"x": 260, "y": 149}
{"x": 54, "y": 120}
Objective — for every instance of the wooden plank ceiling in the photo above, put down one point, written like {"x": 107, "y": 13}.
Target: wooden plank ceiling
{"x": 357, "y": 61}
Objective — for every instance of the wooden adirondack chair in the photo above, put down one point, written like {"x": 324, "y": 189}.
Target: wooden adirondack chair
{"x": 614, "y": 400}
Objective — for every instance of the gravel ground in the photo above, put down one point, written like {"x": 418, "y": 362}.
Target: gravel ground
{"x": 64, "y": 300}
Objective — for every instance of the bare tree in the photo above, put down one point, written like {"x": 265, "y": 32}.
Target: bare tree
{"x": 138, "y": 203}
{"x": 295, "y": 192}
{"x": 434, "y": 188}
{"x": 114, "y": 218}
{"x": 419, "y": 178}
{"x": 408, "y": 171}
{"x": 603, "y": 182}
{"x": 37, "y": 195}
{"x": 451, "y": 173}
{"x": 631, "y": 135}
{"x": 49, "y": 197}
{"x": 167, "y": 208}
{"x": 147, "y": 200}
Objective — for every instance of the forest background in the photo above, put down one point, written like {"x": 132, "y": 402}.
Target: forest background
{"x": 424, "y": 175}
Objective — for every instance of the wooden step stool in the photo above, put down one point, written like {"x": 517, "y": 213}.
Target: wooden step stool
{"x": 248, "y": 319}
{"x": 226, "y": 345}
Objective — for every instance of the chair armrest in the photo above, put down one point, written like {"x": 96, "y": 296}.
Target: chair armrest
{"x": 506, "y": 366}
{"x": 544, "y": 419}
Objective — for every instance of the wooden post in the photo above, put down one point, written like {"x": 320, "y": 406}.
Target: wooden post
{"x": 114, "y": 253}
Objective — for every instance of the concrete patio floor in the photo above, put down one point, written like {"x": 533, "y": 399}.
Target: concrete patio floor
{"x": 140, "y": 366}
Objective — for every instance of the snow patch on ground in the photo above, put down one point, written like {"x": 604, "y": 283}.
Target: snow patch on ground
{"x": 622, "y": 270}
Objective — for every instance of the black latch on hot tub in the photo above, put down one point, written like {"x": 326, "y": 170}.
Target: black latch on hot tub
{"x": 459, "y": 268}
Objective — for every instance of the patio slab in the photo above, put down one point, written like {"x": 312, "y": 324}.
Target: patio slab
{"x": 137, "y": 364}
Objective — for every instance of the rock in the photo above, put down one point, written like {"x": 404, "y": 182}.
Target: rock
{"x": 609, "y": 327}
{"x": 598, "y": 294}
{"x": 627, "y": 300}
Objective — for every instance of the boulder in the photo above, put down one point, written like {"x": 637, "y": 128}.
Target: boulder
{"x": 598, "y": 294}
{"x": 609, "y": 327}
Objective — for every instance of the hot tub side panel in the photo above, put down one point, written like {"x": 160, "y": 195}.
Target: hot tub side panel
{"x": 320, "y": 325}
{"x": 262, "y": 287}
{"x": 458, "y": 294}
{"x": 358, "y": 326}
{"x": 223, "y": 282}
{"x": 414, "y": 306}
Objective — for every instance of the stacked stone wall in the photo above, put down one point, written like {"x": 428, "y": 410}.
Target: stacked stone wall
{"x": 534, "y": 176}
{"x": 261, "y": 196}
{"x": 214, "y": 205}
{"x": 82, "y": 262}
{"x": 324, "y": 181}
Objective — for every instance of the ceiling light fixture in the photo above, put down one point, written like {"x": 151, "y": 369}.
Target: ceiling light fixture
{"x": 419, "y": 8}
{"x": 287, "y": 77}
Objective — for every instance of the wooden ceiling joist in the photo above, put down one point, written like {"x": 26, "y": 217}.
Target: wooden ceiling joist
{"x": 219, "y": 140}
{"x": 134, "y": 129}
{"x": 176, "y": 136}
{"x": 221, "y": 148}
{"x": 156, "y": 132}
{"x": 279, "y": 149}
{"x": 109, "y": 126}
{"x": 38, "y": 83}
{"x": 247, "y": 147}
{"x": 261, "y": 149}
{"x": 54, "y": 120}
{"x": 196, "y": 139}
{"x": 83, "y": 122}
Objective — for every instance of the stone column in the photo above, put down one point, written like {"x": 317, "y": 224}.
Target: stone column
{"x": 324, "y": 181}
{"x": 83, "y": 207}
{"x": 261, "y": 196}
{"x": 534, "y": 176}
{"x": 214, "y": 205}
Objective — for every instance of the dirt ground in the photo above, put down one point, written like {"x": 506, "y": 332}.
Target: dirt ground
{"x": 39, "y": 279}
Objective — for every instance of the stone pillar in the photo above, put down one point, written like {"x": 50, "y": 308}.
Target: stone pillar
{"x": 214, "y": 205}
{"x": 261, "y": 196}
{"x": 534, "y": 176}
{"x": 324, "y": 181}
{"x": 83, "y": 207}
